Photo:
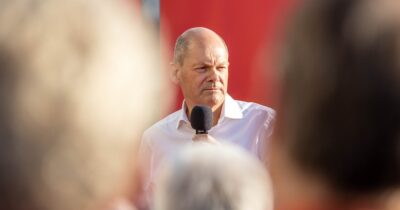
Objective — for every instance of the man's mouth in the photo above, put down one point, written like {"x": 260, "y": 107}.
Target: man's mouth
{"x": 212, "y": 89}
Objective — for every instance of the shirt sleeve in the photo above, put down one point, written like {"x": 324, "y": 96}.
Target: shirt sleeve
{"x": 146, "y": 169}
{"x": 265, "y": 135}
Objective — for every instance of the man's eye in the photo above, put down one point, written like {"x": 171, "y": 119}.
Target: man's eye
{"x": 201, "y": 69}
{"x": 222, "y": 68}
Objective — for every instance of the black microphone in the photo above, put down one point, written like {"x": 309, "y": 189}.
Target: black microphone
{"x": 201, "y": 119}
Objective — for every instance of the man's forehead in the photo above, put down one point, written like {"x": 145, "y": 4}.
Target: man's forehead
{"x": 207, "y": 56}
{"x": 206, "y": 42}
{"x": 207, "y": 48}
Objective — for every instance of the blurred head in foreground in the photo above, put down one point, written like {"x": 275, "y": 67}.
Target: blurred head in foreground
{"x": 75, "y": 80}
{"x": 209, "y": 177}
{"x": 340, "y": 117}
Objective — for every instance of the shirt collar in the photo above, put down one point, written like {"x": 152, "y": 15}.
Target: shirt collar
{"x": 230, "y": 109}
{"x": 182, "y": 118}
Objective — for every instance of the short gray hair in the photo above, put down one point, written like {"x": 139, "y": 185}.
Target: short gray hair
{"x": 181, "y": 45}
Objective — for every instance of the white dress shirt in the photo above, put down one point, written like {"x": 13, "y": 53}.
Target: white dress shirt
{"x": 245, "y": 124}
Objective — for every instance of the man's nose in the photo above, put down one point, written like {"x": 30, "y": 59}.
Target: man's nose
{"x": 213, "y": 74}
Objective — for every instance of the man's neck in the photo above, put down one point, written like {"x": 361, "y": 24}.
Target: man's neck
{"x": 216, "y": 115}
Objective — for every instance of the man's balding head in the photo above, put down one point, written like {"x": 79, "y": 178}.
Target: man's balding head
{"x": 198, "y": 36}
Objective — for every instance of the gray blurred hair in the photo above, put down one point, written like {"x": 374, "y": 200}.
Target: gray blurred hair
{"x": 209, "y": 177}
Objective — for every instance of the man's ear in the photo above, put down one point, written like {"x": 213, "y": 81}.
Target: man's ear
{"x": 174, "y": 72}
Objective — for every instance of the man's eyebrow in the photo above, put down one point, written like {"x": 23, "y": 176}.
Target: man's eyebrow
{"x": 202, "y": 64}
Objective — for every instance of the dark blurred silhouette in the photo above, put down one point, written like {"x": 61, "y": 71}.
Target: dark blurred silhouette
{"x": 340, "y": 113}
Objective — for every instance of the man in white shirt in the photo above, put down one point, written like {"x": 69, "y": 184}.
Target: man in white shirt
{"x": 200, "y": 68}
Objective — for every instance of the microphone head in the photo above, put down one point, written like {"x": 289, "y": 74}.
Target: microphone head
{"x": 201, "y": 119}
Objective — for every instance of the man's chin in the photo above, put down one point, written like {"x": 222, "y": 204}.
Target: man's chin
{"x": 215, "y": 101}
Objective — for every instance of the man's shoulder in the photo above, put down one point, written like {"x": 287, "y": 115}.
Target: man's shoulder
{"x": 164, "y": 124}
{"x": 254, "y": 112}
{"x": 252, "y": 107}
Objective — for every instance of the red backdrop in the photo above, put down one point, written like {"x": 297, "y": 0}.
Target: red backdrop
{"x": 252, "y": 31}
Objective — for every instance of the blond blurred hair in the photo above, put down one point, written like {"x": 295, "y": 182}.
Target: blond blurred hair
{"x": 77, "y": 85}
